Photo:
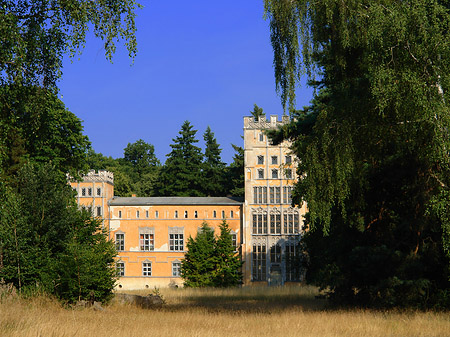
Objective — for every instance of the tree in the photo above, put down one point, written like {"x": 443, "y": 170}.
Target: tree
{"x": 213, "y": 173}
{"x": 211, "y": 261}
{"x": 373, "y": 145}
{"x": 36, "y": 35}
{"x": 198, "y": 266}
{"x": 227, "y": 272}
{"x": 181, "y": 174}
{"x": 235, "y": 173}
{"x": 47, "y": 243}
{"x": 141, "y": 156}
{"x": 257, "y": 112}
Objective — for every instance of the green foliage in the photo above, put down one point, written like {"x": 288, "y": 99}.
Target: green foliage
{"x": 235, "y": 173}
{"x": 257, "y": 112}
{"x": 213, "y": 167}
{"x": 46, "y": 242}
{"x": 39, "y": 128}
{"x": 182, "y": 173}
{"x": 373, "y": 146}
{"x": 36, "y": 34}
{"x": 211, "y": 262}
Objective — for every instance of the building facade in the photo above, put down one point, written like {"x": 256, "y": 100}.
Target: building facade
{"x": 150, "y": 233}
{"x": 272, "y": 226}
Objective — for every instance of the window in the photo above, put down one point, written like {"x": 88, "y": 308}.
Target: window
{"x": 260, "y": 195}
{"x": 120, "y": 214}
{"x": 260, "y": 174}
{"x": 291, "y": 222}
{"x": 261, "y": 137}
{"x": 231, "y": 214}
{"x": 274, "y": 174}
{"x": 120, "y": 268}
{"x": 156, "y": 214}
{"x": 278, "y": 195}
{"x": 176, "y": 214}
{"x": 137, "y": 214}
{"x": 99, "y": 191}
{"x": 83, "y": 192}
{"x": 259, "y": 222}
{"x": 292, "y": 262}
{"x": 195, "y": 214}
{"x": 89, "y": 191}
{"x": 275, "y": 253}
{"x": 288, "y": 173}
{"x": 146, "y": 241}
{"x": 223, "y": 214}
{"x": 146, "y": 214}
{"x": 287, "y": 194}
{"x": 275, "y": 223}
{"x": 274, "y": 160}
{"x": 176, "y": 269}
{"x": 288, "y": 159}
{"x": 146, "y": 268}
{"x": 120, "y": 242}
{"x": 176, "y": 242}
{"x": 259, "y": 262}
{"x": 234, "y": 240}
{"x": 260, "y": 160}
{"x": 272, "y": 195}
{"x": 99, "y": 210}
{"x": 185, "y": 214}
{"x": 214, "y": 214}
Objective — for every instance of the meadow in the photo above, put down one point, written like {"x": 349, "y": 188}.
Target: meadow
{"x": 259, "y": 312}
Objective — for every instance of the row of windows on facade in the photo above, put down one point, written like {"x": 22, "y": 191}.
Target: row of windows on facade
{"x": 275, "y": 174}
{"x": 274, "y": 160}
{"x": 96, "y": 211}
{"x": 260, "y": 195}
{"x": 147, "y": 268}
{"x": 176, "y": 214}
{"x": 289, "y": 256}
{"x": 147, "y": 241}
{"x": 87, "y": 192}
{"x": 264, "y": 223}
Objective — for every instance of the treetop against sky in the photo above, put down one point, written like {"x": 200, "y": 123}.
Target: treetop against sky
{"x": 207, "y": 62}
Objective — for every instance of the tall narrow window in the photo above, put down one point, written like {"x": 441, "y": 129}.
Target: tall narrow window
{"x": 137, "y": 214}
{"x": 272, "y": 195}
{"x": 176, "y": 268}
{"x": 261, "y": 137}
{"x": 176, "y": 214}
{"x": 146, "y": 214}
{"x": 120, "y": 214}
{"x": 292, "y": 262}
{"x": 264, "y": 195}
{"x": 146, "y": 241}
{"x": 99, "y": 191}
{"x": 275, "y": 254}
{"x": 99, "y": 210}
{"x": 231, "y": 214}
{"x": 255, "y": 195}
{"x": 185, "y": 214}
{"x": 259, "y": 262}
{"x": 83, "y": 192}
{"x": 195, "y": 214}
{"x": 288, "y": 159}
{"x": 223, "y": 214}
{"x": 146, "y": 268}
{"x": 278, "y": 195}
{"x": 234, "y": 240}
{"x": 120, "y": 242}
{"x": 260, "y": 160}
{"x": 214, "y": 214}
{"x": 288, "y": 173}
{"x": 120, "y": 268}
{"x": 274, "y": 160}
{"x": 89, "y": 191}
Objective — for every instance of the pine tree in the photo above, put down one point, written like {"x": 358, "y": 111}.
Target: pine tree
{"x": 198, "y": 266}
{"x": 181, "y": 174}
{"x": 227, "y": 272}
{"x": 235, "y": 175}
{"x": 257, "y": 112}
{"x": 213, "y": 168}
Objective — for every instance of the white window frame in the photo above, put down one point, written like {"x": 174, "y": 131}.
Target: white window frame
{"x": 120, "y": 242}
{"x": 146, "y": 268}
{"x": 120, "y": 268}
{"x": 176, "y": 268}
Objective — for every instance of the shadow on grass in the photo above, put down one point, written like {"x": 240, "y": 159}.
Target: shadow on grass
{"x": 242, "y": 302}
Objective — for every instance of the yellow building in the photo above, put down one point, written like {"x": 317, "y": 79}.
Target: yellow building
{"x": 150, "y": 233}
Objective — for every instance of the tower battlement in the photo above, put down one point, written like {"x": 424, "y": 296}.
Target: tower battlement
{"x": 99, "y": 176}
{"x": 264, "y": 123}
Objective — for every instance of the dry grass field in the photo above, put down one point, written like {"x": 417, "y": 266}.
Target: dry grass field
{"x": 257, "y": 312}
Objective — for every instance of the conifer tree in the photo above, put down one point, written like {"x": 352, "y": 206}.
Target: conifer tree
{"x": 235, "y": 175}
{"x": 257, "y": 112}
{"x": 181, "y": 174}
{"x": 227, "y": 272}
{"x": 213, "y": 167}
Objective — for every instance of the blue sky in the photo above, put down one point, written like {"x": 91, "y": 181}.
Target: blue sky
{"x": 203, "y": 61}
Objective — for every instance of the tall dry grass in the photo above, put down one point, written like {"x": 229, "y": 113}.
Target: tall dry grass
{"x": 229, "y": 312}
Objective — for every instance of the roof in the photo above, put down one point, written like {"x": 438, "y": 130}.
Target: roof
{"x": 144, "y": 201}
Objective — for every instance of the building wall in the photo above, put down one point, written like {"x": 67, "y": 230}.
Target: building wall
{"x": 272, "y": 227}
{"x": 160, "y": 253}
